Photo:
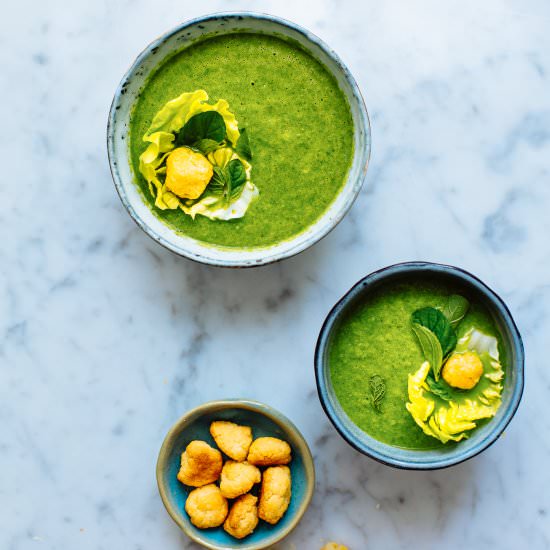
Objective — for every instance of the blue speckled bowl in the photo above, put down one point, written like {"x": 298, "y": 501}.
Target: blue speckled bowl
{"x": 181, "y": 37}
{"x": 483, "y": 436}
{"x": 264, "y": 421}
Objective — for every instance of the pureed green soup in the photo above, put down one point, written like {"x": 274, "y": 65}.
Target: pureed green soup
{"x": 375, "y": 338}
{"x": 298, "y": 120}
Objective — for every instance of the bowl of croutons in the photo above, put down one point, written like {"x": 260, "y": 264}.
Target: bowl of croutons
{"x": 235, "y": 474}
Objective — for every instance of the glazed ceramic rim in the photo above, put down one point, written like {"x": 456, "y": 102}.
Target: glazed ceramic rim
{"x": 455, "y": 457}
{"x": 250, "y": 405}
{"x": 262, "y": 256}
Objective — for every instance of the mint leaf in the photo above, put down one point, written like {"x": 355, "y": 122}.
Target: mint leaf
{"x": 207, "y": 125}
{"x": 431, "y": 348}
{"x": 237, "y": 177}
{"x": 377, "y": 386}
{"x": 243, "y": 146}
{"x": 455, "y": 309}
{"x": 435, "y": 321}
{"x": 206, "y": 146}
{"x": 440, "y": 388}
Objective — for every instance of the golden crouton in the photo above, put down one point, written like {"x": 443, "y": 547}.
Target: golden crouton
{"x": 238, "y": 478}
{"x": 275, "y": 494}
{"x": 200, "y": 464}
{"x": 269, "y": 451}
{"x": 206, "y": 506}
{"x": 243, "y": 517}
{"x": 232, "y": 439}
{"x": 463, "y": 370}
{"x": 187, "y": 173}
{"x": 334, "y": 546}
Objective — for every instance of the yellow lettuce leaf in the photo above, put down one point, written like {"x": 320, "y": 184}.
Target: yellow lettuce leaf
{"x": 160, "y": 137}
{"x": 452, "y": 420}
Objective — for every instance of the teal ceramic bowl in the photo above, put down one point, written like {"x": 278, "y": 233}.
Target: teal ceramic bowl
{"x": 264, "y": 421}
{"x": 483, "y": 436}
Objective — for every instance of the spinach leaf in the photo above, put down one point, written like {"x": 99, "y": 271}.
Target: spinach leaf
{"x": 243, "y": 146}
{"x": 237, "y": 177}
{"x": 434, "y": 320}
{"x": 440, "y": 388}
{"x": 431, "y": 348}
{"x": 377, "y": 386}
{"x": 207, "y": 125}
{"x": 455, "y": 309}
{"x": 206, "y": 146}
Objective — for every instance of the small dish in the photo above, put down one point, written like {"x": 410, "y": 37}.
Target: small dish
{"x": 183, "y": 36}
{"x": 485, "y": 434}
{"x": 264, "y": 421}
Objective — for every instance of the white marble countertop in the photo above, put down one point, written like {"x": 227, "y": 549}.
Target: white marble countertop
{"x": 106, "y": 338}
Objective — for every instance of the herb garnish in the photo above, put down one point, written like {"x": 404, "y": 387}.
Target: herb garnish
{"x": 431, "y": 348}
{"x": 455, "y": 309}
{"x": 439, "y": 388}
{"x": 208, "y": 125}
{"x": 377, "y": 387}
{"x": 435, "y": 321}
{"x": 206, "y": 146}
{"x": 243, "y": 146}
{"x": 432, "y": 328}
{"x": 228, "y": 180}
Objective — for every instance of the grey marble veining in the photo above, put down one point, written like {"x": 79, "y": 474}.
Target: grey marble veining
{"x": 106, "y": 338}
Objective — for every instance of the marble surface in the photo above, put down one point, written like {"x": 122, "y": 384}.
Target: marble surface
{"x": 106, "y": 338}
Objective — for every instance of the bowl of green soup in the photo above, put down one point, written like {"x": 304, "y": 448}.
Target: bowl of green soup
{"x": 238, "y": 139}
{"x": 420, "y": 366}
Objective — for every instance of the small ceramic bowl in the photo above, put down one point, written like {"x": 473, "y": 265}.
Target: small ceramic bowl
{"x": 484, "y": 435}
{"x": 180, "y": 38}
{"x": 264, "y": 421}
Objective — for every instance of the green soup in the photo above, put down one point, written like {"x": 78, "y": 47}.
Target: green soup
{"x": 375, "y": 337}
{"x": 299, "y": 123}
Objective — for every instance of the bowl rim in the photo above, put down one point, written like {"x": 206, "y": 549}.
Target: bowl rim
{"x": 203, "y": 257}
{"x": 251, "y": 405}
{"x": 411, "y": 267}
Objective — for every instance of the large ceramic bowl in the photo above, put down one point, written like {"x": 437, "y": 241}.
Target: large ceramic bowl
{"x": 182, "y": 37}
{"x": 484, "y": 435}
{"x": 264, "y": 421}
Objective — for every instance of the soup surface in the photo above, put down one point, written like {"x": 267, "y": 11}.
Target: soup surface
{"x": 298, "y": 121}
{"x": 376, "y": 338}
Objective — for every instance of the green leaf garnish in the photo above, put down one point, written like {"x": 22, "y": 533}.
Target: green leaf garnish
{"x": 377, "y": 386}
{"x": 431, "y": 348}
{"x": 206, "y": 125}
{"x": 237, "y": 177}
{"x": 455, "y": 309}
{"x": 435, "y": 321}
{"x": 439, "y": 388}
{"x": 243, "y": 146}
{"x": 219, "y": 182}
{"x": 229, "y": 180}
{"x": 206, "y": 146}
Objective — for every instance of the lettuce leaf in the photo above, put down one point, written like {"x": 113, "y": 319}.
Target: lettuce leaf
{"x": 450, "y": 418}
{"x": 161, "y": 135}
